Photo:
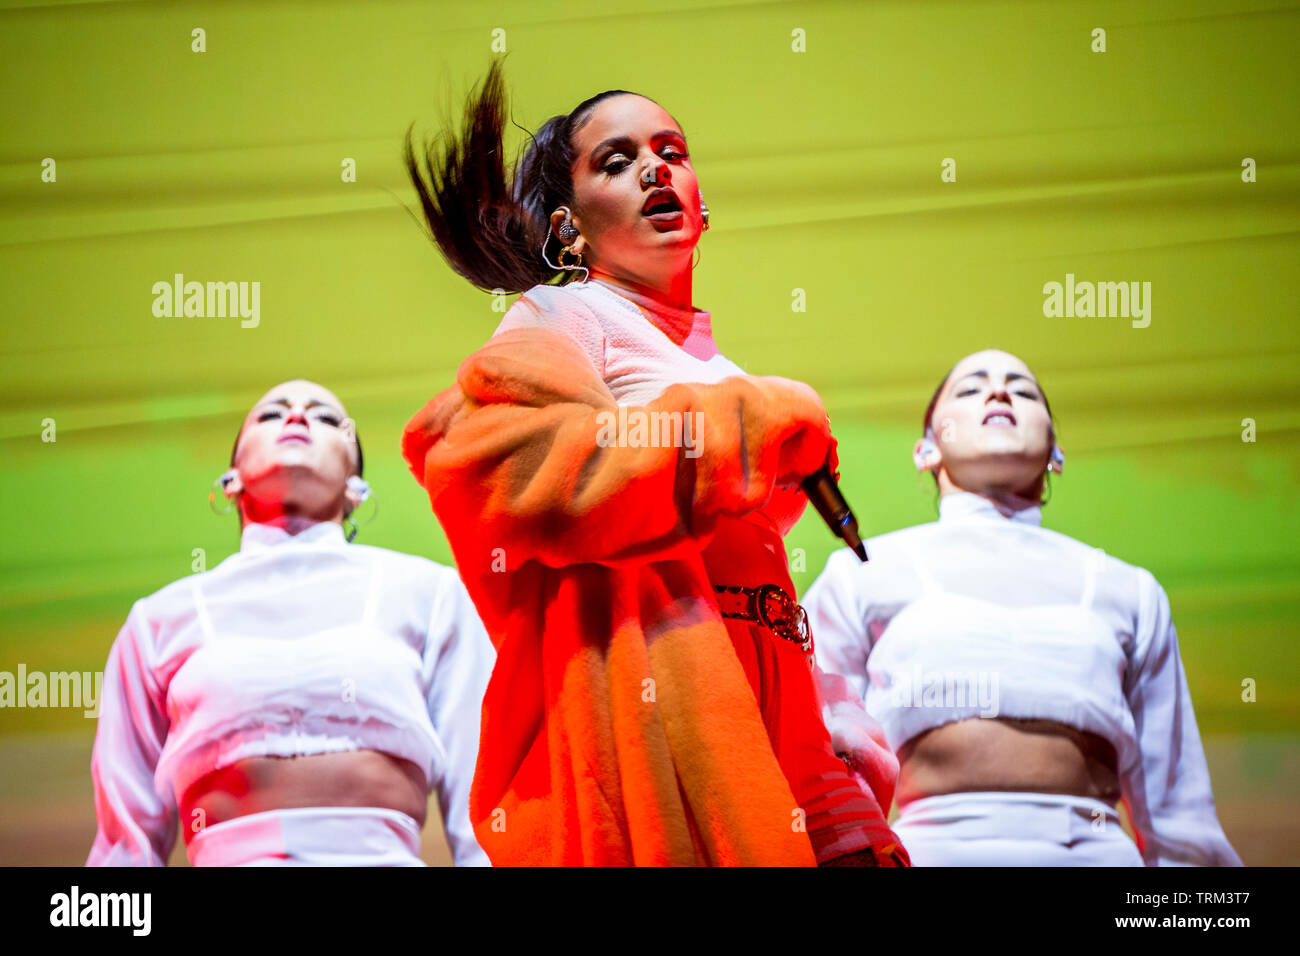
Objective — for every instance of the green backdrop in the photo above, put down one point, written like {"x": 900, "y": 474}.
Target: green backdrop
{"x": 818, "y": 131}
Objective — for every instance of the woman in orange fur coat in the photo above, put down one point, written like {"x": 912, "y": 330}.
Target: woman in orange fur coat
{"x": 615, "y": 492}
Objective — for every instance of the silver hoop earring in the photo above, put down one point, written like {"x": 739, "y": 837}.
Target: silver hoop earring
{"x": 1057, "y": 461}
{"x": 220, "y": 485}
{"x": 357, "y": 525}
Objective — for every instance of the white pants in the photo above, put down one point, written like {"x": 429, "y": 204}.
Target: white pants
{"x": 1014, "y": 829}
{"x": 310, "y": 836}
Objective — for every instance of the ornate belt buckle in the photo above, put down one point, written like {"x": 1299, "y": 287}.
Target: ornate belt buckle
{"x": 782, "y": 616}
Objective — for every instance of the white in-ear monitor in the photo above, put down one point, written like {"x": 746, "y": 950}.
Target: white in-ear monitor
{"x": 926, "y": 450}
{"x": 228, "y": 477}
{"x": 1057, "y": 462}
{"x": 359, "y": 487}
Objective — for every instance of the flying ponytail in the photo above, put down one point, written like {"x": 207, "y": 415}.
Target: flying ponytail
{"x": 488, "y": 223}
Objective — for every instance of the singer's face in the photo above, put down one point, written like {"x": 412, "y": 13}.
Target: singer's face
{"x": 627, "y": 232}
{"x": 992, "y": 425}
{"x": 296, "y": 444}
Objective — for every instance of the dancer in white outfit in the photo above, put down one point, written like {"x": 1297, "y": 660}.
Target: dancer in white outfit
{"x": 1026, "y": 680}
{"x": 366, "y": 666}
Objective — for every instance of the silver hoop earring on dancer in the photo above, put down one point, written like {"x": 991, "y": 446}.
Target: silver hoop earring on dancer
{"x": 220, "y": 485}
{"x": 1055, "y": 465}
{"x": 567, "y": 233}
{"x": 361, "y": 488}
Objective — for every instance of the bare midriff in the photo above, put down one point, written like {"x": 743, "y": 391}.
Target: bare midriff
{"x": 356, "y": 778}
{"x": 1007, "y": 754}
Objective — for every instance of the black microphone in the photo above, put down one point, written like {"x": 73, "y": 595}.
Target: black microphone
{"x": 824, "y": 493}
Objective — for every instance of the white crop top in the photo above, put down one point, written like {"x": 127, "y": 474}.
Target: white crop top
{"x": 988, "y": 614}
{"x": 1057, "y": 661}
{"x": 296, "y": 644}
{"x": 640, "y": 347}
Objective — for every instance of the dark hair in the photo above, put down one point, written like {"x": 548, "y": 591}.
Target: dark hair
{"x": 491, "y": 226}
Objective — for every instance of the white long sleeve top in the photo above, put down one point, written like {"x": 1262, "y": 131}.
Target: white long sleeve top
{"x": 296, "y": 644}
{"x": 986, "y": 614}
{"x": 640, "y": 347}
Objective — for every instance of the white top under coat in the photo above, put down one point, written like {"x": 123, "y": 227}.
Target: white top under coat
{"x": 984, "y": 606}
{"x": 295, "y": 644}
{"x": 639, "y": 347}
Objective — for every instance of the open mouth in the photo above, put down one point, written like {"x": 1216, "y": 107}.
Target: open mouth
{"x": 662, "y": 204}
{"x": 1000, "y": 416}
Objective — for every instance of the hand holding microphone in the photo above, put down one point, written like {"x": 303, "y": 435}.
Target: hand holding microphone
{"x": 823, "y": 491}
{"x": 820, "y": 486}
